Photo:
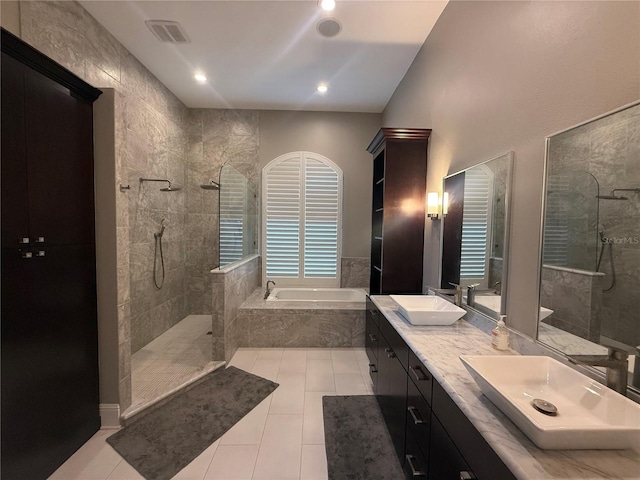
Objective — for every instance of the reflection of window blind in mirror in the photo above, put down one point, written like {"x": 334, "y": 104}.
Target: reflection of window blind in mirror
{"x": 556, "y": 227}
{"x": 232, "y": 208}
{"x": 476, "y": 222}
{"x": 321, "y": 220}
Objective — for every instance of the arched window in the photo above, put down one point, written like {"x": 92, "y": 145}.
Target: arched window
{"x": 302, "y": 220}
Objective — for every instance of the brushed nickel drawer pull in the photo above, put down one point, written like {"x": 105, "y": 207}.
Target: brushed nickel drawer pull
{"x": 416, "y": 420}
{"x": 373, "y": 338}
{"x": 372, "y": 368}
{"x": 418, "y": 373}
{"x": 415, "y": 472}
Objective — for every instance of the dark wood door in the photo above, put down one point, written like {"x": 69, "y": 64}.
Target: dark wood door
{"x": 49, "y": 327}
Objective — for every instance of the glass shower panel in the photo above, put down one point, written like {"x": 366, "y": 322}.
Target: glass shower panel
{"x": 238, "y": 216}
{"x": 571, "y": 221}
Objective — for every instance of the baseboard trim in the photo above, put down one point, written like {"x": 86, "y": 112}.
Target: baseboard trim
{"x": 109, "y": 415}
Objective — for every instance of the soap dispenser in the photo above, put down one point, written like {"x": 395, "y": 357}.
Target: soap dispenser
{"x": 500, "y": 335}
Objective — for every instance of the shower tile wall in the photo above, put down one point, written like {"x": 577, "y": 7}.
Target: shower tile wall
{"x": 610, "y": 150}
{"x": 151, "y": 140}
{"x": 216, "y": 137}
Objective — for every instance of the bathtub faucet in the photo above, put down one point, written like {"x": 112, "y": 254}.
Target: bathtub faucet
{"x": 267, "y": 292}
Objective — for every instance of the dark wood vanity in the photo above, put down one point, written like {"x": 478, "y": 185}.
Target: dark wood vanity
{"x": 432, "y": 436}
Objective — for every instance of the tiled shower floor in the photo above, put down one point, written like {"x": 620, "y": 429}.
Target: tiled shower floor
{"x": 176, "y": 356}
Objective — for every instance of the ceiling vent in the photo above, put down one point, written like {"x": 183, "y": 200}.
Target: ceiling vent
{"x": 329, "y": 27}
{"x": 168, "y": 31}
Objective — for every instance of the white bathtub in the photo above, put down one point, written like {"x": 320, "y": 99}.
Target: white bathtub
{"x": 317, "y": 295}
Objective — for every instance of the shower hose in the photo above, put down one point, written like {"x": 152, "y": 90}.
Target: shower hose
{"x": 158, "y": 246}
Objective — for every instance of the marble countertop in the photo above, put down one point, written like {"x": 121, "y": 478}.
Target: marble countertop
{"x": 439, "y": 349}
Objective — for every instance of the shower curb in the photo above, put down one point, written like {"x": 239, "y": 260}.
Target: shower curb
{"x": 136, "y": 412}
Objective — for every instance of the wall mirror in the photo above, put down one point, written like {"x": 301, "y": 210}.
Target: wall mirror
{"x": 238, "y": 216}
{"x": 475, "y": 233}
{"x": 590, "y": 272}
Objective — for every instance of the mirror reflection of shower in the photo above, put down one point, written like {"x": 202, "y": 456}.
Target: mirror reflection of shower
{"x": 607, "y": 242}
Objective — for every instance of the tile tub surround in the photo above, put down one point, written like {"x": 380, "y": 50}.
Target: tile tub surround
{"x": 355, "y": 272}
{"x": 439, "y": 349}
{"x": 230, "y": 287}
{"x": 300, "y": 324}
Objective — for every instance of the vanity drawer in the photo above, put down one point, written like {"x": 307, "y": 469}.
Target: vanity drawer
{"x": 416, "y": 460}
{"x": 395, "y": 341}
{"x": 420, "y": 376}
{"x": 372, "y": 312}
{"x": 484, "y": 461}
{"x": 418, "y": 417}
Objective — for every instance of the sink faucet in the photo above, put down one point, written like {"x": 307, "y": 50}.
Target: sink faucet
{"x": 456, "y": 292}
{"x": 616, "y": 364}
{"x": 267, "y": 292}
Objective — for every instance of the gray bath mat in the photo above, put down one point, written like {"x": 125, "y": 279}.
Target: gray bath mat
{"x": 357, "y": 441}
{"x": 164, "y": 441}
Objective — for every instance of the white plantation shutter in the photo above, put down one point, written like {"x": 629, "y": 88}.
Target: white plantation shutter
{"x": 302, "y": 203}
{"x": 321, "y": 220}
{"x": 476, "y": 216}
{"x": 283, "y": 201}
{"x": 232, "y": 208}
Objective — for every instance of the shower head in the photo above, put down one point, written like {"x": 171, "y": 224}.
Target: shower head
{"x": 611, "y": 197}
{"x": 168, "y": 188}
{"x": 212, "y": 185}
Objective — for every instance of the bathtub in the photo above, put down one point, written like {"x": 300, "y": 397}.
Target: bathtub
{"x": 317, "y": 295}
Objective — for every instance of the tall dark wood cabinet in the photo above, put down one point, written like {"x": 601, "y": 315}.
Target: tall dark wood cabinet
{"x": 398, "y": 209}
{"x": 49, "y": 332}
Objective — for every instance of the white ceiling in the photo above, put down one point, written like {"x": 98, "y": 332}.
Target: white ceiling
{"x": 267, "y": 54}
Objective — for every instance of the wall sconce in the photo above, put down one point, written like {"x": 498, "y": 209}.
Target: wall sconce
{"x": 433, "y": 205}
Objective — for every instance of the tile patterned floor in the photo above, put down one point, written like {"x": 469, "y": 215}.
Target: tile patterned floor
{"x": 281, "y": 439}
{"x": 176, "y": 356}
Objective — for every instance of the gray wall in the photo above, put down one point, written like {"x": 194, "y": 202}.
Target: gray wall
{"x": 341, "y": 137}
{"x": 499, "y": 76}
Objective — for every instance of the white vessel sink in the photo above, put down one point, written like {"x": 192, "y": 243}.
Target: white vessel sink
{"x": 589, "y": 415}
{"x": 427, "y": 309}
{"x": 492, "y": 302}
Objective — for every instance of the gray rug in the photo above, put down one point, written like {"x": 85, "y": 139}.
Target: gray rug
{"x": 357, "y": 441}
{"x": 164, "y": 441}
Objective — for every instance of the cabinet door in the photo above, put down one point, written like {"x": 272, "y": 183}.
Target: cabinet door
{"x": 372, "y": 344}
{"x": 445, "y": 461}
{"x": 49, "y": 382}
{"x": 392, "y": 394}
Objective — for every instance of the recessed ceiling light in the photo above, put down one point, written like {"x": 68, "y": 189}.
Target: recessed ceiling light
{"x": 200, "y": 77}
{"x": 327, "y": 5}
{"x": 322, "y": 88}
